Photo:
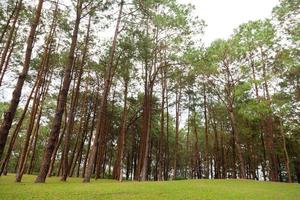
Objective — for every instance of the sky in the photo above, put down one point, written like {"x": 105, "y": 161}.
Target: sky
{"x": 223, "y": 16}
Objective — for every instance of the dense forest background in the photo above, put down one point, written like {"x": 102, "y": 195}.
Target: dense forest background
{"x": 152, "y": 102}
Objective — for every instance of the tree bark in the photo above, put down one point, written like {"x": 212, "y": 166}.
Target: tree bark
{"x": 206, "y": 134}
{"x": 117, "y": 171}
{"x": 286, "y": 155}
{"x": 41, "y": 85}
{"x": 54, "y": 133}
{"x": 8, "y": 56}
{"x": 270, "y": 132}
{"x": 103, "y": 106}
{"x": 177, "y": 110}
{"x": 14, "y": 135}
{"x": 11, "y": 35}
{"x": 72, "y": 111}
{"x": 6, "y": 26}
{"x": 10, "y": 113}
{"x": 162, "y": 124}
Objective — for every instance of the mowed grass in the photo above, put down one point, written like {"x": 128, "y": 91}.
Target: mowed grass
{"x": 74, "y": 189}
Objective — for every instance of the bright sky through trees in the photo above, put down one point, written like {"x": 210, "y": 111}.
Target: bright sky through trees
{"x": 232, "y": 12}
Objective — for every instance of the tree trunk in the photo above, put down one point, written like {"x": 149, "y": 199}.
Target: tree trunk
{"x": 10, "y": 113}
{"x": 177, "y": 105}
{"x": 223, "y": 159}
{"x": 102, "y": 113}
{"x": 8, "y": 56}
{"x": 263, "y": 164}
{"x": 270, "y": 132}
{"x": 117, "y": 171}
{"x": 11, "y": 16}
{"x": 63, "y": 94}
{"x": 90, "y": 136}
{"x": 286, "y": 155}
{"x": 41, "y": 85}
{"x": 11, "y": 35}
{"x": 5, "y": 161}
{"x": 196, "y": 154}
{"x": 216, "y": 149}
{"x": 162, "y": 124}
{"x": 72, "y": 112}
{"x": 206, "y": 134}
{"x": 237, "y": 144}
{"x": 166, "y": 173}
{"x": 57, "y": 145}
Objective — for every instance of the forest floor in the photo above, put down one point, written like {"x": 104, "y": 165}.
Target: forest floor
{"x": 74, "y": 189}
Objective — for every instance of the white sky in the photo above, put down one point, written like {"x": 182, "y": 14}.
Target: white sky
{"x": 223, "y": 16}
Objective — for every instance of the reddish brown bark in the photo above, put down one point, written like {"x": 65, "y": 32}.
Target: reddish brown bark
{"x": 41, "y": 85}
{"x": 101, "y": 116}
{"x": 10, "y": 113}
{"x": 11, "y": 35}
{"x": 117, "y": 171}
{"x": 87, "y": 155}
{"x": 61, "y": 104}
{"x": 14, "y": 135}
{"x": 269, "y": 127}
{"x": 8, "y": 56}
{"x": 11, "y": 16}
{"x": 72, "y": 112}
{"x": 162, "y": 125}
{"x": 263, "y": 164}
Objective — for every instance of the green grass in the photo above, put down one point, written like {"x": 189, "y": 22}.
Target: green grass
{"x": 74, "y": 189}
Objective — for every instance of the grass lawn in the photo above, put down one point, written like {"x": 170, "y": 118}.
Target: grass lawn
{"x": 74, "y": 189}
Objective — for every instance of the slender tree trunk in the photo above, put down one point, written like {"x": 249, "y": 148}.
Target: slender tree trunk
{"x": 10, "y": 113}
{"x": 72, "y": 111}
{"x": 33, "y": 126}
{"x": 263, "y": 164}
{"x": 44, "y": 68}
{"x": 177, "y": 105}
{"x": 56, "y": 125}
{"x": 286, "y": 155}
{"x": 117, "y": 171}
{"x": 57, "y": 145}
{"x": 102, "y": 113}
{"x": 84, "y": 136}
{"x": 216, "y": 149}
{"x": 82, "y": 133}
{"x": 36, "y": 128}
{"x": 5, "y": 161}
{"x": 270, "y": 132}
{"x": 11, "y": 35}
{"x": 167, "y": 137}
{"x": 223, "y": 159}
{"x": 188, "y": 155}
{"x": 196, "y": 156}
{"x": 206, "y": 134}
{"x": 90, "y": 136}
{"x": 237, "y": 144}
{"x": 103, "y": 142}
{"x": 8, "y": 56}
{"x": 11, "y": 16}
{"x": 162, "y": 124}
{"x": 80, "y": 136}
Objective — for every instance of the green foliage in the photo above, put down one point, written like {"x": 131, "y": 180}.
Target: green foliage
{"x": 287, "y": 13}
{"x": 253, "y": 110}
